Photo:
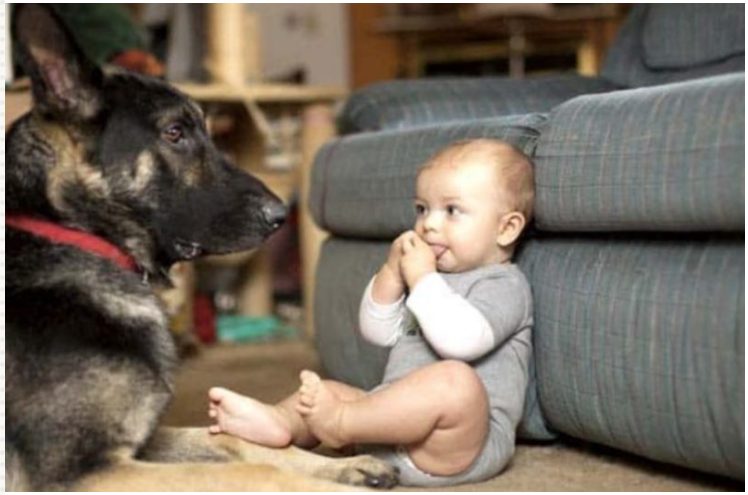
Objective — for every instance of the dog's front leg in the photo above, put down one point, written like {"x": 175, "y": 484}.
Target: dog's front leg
{"x": 138, "y": 476}
{"x": 178, "y": 445}
{"x": 196, "y": 444}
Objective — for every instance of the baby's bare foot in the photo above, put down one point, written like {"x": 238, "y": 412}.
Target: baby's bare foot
{"x": 321, "y": 409}
{"x": 247, "y": 418}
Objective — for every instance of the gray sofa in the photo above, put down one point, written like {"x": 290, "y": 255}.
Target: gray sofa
{"x": 636, "y": 258}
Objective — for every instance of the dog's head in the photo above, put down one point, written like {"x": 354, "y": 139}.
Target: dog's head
{"x": 125, "y": 156}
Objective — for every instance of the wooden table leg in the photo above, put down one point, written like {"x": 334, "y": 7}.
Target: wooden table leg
{"x": 318, "y": 127}
{"x": 254, "y": 296}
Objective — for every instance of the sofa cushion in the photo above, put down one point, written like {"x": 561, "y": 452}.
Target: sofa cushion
{"x": 344, "y": 269}
{"x": 401, "y": 104}
{"x": 658, "y": 44}
{"x": 639, "y": 344}
{"x": 678, "y": 36}
{"x": 670, "y": 157}
{"x": 363, "y": 185}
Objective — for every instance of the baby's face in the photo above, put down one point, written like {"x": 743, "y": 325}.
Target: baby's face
{"x": 458, "y": 212}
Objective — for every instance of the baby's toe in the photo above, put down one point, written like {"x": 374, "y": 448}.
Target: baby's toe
{"x": 303, "y": 409}
{"x": 216, "y": 394}
{"x": 306, "y": 399}
{"x": 309, "y": 378}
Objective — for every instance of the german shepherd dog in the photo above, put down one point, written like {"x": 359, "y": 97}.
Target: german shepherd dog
{"x": 111, "y": 178}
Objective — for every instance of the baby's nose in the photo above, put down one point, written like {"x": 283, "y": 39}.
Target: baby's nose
{"x": 431, "y": 222}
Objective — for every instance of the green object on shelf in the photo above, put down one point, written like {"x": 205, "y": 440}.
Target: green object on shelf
{"x": 235, "y": 328}
{"x": 102, "y": 30}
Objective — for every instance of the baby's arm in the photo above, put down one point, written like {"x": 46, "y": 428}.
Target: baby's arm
{"x": 455, "y": 328}
{"x": 382, "y": 308}
{"x": 380, "y": 324}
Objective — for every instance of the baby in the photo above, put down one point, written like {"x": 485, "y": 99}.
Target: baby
{"x": 457, "y": 314}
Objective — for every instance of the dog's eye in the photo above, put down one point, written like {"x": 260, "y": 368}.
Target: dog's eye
{"x": 173, "y": 133}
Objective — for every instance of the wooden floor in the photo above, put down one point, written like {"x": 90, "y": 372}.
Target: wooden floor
{"x": 270, "y": 371}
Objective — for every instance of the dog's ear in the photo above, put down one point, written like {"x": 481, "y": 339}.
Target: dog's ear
{"x": 64, "y": 81}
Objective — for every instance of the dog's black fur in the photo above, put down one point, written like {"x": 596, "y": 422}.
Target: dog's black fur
{"x": 89, "y": 359}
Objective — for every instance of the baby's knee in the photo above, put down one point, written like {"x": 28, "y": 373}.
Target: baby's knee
{"x": 460, "y": 382}
{"x": 453, "y": 372}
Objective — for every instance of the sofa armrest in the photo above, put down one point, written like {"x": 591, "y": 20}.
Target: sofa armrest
{"x": 663, "y": 158}
{"x": 413, "y": 103}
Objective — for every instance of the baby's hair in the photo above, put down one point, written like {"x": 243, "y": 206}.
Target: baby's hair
{"x": 514, "y": 167}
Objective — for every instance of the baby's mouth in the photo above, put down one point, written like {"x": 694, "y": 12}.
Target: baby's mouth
{"x": 438, "y": 250}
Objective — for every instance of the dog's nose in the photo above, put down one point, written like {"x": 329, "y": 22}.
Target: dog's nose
{"x": 275, "y": 214}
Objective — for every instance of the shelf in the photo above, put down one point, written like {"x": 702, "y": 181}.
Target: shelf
{"x": 262, "y": 93}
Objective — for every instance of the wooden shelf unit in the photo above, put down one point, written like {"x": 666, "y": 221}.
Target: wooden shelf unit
{"x": 253, "y": 108}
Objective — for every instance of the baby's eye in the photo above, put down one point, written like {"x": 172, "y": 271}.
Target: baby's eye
{"x": 452, "y": 210}
{"x": 420, "y": 209}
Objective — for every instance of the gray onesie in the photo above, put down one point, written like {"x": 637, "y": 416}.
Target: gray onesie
{"x": 502, "y": 295}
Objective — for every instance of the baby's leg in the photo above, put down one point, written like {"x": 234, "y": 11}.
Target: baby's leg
{"x": 439, "y": 412}
{"x": 271, "y": 425}
{"x": 301, "y": 435}
{"x": 249, "y": 419}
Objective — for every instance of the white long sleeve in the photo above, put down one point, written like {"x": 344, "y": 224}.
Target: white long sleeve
{"x": 454, "y": 328}
{"x": 381, "y": 324}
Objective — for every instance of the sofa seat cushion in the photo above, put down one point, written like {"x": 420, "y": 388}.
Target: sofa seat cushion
{"x": 363, "y": 185}
{"x": 678, "y": 36}
{"x": 670, "y": 157}
{"x": 411, "y": 103}
{"x": 639, "y": 344}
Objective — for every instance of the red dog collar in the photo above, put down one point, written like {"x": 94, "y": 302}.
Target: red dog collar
{"x": 78, "y": 238}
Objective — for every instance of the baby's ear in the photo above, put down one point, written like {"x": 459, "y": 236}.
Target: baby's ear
{"x": 510, "y": 227}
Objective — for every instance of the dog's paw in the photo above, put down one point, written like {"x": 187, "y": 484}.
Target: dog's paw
{"x": 365, "y": 470}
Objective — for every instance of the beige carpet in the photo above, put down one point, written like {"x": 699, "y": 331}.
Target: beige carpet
{"x": 270, "y": 371}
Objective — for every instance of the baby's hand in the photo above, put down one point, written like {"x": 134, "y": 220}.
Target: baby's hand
{"x": 417, "y": 260}
{"x": 389, "y": 284}
{"x": 396, "y": 253}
